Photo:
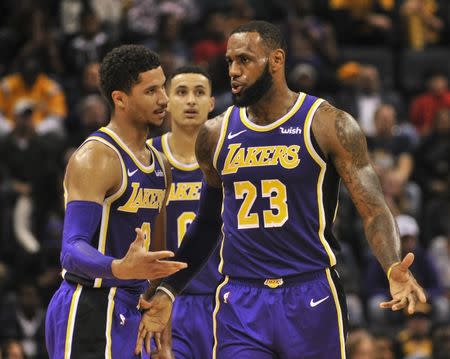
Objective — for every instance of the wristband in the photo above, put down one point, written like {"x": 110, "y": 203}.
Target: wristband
{"x": 390, "y": 269}
{"x": 168, "y": 292}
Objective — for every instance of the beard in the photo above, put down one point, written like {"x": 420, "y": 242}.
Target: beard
{"x": 253, "y": 93}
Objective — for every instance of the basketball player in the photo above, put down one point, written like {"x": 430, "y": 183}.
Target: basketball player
{"x": 278, "y": 156}
{"x": 190, "y": 101}
{"x": 115, "y": 189}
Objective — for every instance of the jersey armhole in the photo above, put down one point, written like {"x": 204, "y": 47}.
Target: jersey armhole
{"x": 157, "y": 154}
{"x": 223, "y": 132}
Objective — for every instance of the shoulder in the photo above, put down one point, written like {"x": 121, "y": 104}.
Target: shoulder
{"x": 334, "y": 128}
{"x": 208, "y": 137}
{"x": 93, "y": 156}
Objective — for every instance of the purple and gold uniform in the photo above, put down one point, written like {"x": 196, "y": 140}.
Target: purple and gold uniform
{"x": 98, "y": 316}
{"x": 193, "y": 337}
{"x": 280, "y": 198}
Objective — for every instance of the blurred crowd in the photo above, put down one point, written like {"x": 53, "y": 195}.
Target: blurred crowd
{"x": 386, "y": 62}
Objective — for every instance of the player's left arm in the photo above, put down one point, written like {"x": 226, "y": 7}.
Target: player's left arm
{"x": 343, "y": 142}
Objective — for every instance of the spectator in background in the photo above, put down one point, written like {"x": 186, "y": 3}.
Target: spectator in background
{"x": 421, "y": 25}
{"x": 439, "y": 252}
{"x": 12, "y": 349}
{"x": 311, "y": 41}
{"x": 424, "y": 107}
{"x": 366, "y": 96}
{"x": 441, "y": 341}
{"x": 24, "y": 319}
{"x": 28, "y": 165}
{"x": 89, "y": 46}
{"x": 32, "y": 84}
{"x": 433, "y": 174}
{"x": 414, "y": 341}
{"x": 423, "y": 268}
{"x": 391, "y": 152}
{"x": 363, "y": 22}
{"x": 213, "y": 41}
{"x": 384, "y": 345}
{"x": 360, "y": 345}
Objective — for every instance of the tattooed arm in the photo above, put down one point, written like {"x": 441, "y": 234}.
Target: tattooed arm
{"x": 343, "y": 142}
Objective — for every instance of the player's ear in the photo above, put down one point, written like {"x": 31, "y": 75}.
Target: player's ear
{"x": 212, "y": 103}
{"x": 277, "y": 59}
{"x": 119, "y": 98}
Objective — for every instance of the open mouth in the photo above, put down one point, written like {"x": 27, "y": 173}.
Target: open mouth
{"x": 236, "y": 88}
{"x": 190, "y": 113}
{"x": 160, "y": 113}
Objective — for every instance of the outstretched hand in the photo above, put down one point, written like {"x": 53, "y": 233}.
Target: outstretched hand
{"x": 139, "y": 263}
{"x": 154, "y": 319}
{"x": 404, "y": 288}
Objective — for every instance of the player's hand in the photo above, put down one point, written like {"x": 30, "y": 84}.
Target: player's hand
{"x": 404, "y": 288}
{"x": 139, "y": 263}
{"x": 163, "y": 348}
{"x": 154, "y": 319}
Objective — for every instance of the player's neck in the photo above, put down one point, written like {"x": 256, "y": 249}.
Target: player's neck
{"x": 274, "y": 105}
{"x": 182, "y": 144}
{"x": 133, "y": 136}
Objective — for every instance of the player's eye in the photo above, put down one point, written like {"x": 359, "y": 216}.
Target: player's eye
{"x": 181, "y": 92}
{"x": 199, "y": 92}
{"x": 244, "y": 59}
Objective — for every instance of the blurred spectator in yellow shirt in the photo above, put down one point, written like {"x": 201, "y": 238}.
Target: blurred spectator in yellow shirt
{"x": 31, "y": 84}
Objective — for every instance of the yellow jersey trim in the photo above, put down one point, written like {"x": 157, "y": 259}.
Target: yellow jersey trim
{"x": 159, "y": 159}
{"x": 323, "y": 169}
{"x": 172, "y": 160}
{"x": 253, "y": 126}
{"x": 338, "y": 312}
{"x": 109, "y": 320}
{"x": 107, "y": 203}
{"x": 216, "y": 310}
{"x": 223, "y": 132}
{"x": 222, "y": 261}
{"x": 143, "y": 168}
{"x": 71, "y": 321}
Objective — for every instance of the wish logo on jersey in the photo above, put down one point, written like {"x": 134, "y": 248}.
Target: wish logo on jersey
{"x": 240, "y": 157}
{"x": 185, "y": 191}
{"x": 143, "y": 198}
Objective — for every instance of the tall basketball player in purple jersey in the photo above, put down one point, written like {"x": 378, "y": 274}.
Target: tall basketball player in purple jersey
{"x": 190, "y": 101}
{"x": 115, "y": 188}
{"x": 272, "y": 165}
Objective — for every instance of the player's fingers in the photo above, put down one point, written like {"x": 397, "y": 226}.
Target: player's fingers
{"x": 407, "y": 261}
{"x": 148, "y": 340}
{"x": 154, "y": 256}
{"x": 139, "y": 341}
{"x": 158, "y": 340}
{"x": 144, "y": 304}
{"x": 139, "y": 240}
{"x": 420, "y": 293}
{"x": 411, "y": 303}
{"x": 400, "y": 305}
{"x": 389, "y": 304}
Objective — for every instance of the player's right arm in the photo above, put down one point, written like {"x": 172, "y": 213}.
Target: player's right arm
{"x": 93, "y": 173}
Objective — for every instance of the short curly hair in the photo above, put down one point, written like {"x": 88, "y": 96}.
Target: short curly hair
{"x": 121, "y": 67}
{"x": 270, "y": 34}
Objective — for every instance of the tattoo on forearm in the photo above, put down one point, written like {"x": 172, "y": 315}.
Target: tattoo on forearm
{"x": 352, "y": 163}
{"x": 380, "y": 238}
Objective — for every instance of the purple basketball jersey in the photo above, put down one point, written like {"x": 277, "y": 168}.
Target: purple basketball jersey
{"x": 136, "y": 205}
{"x": 182, "y": 206}
{"x": 280, "y": 195}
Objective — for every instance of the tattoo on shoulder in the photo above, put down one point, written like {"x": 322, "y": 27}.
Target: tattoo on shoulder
{"x": 207, "y": 139}
{"x": 350, "y": 137}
